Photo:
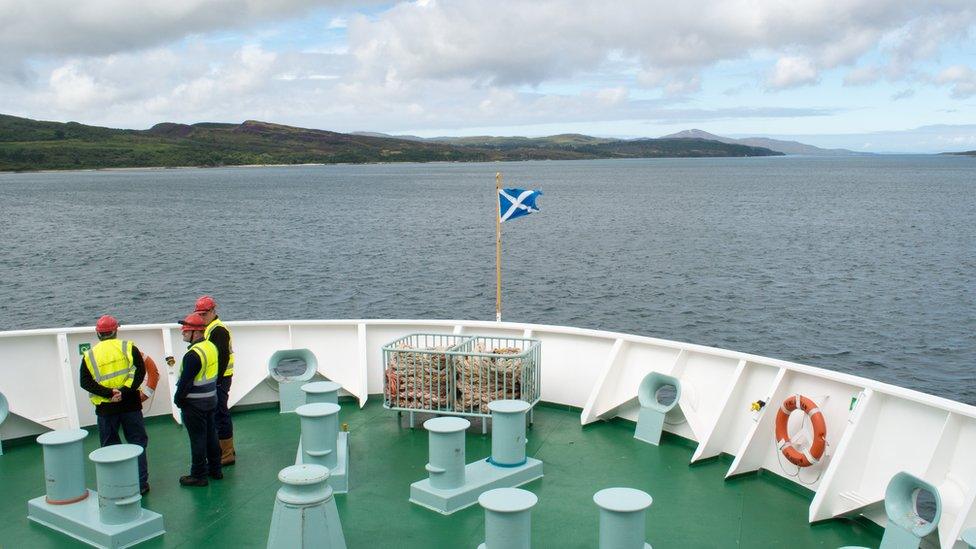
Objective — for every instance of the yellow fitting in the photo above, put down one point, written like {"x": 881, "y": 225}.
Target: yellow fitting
{"x": 345, "y": 427}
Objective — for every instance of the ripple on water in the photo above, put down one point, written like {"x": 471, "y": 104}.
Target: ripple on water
{"x": 861, "y": 265}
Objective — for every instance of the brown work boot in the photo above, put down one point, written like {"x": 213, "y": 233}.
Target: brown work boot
{"x": 228, "y": 456}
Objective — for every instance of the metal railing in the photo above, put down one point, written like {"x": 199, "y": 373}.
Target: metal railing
{"x": 459, "y": 374}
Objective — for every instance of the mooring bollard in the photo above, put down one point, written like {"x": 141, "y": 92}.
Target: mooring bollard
{"x": 320, "y": 431}
{"x": 445, "y": 459}
{"x": 508, "y": 518}
{"x": 305, "y": 513}
{"x": 64, "y": 465}
{"x": 321, "y": 391}
{"x": 508, "y": 432}
{"x": 117, "y": 476}
{"x": 622, "y": 513}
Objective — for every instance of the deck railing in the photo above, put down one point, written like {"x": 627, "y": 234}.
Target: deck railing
{"x": 874, "y": 430}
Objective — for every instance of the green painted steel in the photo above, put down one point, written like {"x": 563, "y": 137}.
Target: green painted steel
{"x": 695, "y": 507}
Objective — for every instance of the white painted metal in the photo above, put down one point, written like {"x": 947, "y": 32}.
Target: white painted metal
{"x": 891, "y": 429}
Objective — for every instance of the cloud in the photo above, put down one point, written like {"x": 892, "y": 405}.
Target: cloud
{"x": 52, "y": 28}
{"x": 961, "y": 78}
{"x": 862, "y": 76}
{"x": 457, "y": 63}
{"x": 791, "y": 72}
{"x": 903, "y": 94}
{"x": 509, "y": 42}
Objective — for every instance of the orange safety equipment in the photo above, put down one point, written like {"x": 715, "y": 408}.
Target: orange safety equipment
{"x": 204, "y": 304}
{"x": 106, "y": 324}
{"x": 229, "y": 371}
{"x": 148, "y": 387}
{"x": 110, "y": 365}
{"x": 193, "y": 322}
{"x": 804, "y": 457}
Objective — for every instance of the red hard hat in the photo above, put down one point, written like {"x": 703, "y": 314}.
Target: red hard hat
{"x": 204, "y": 304}
{"x": 106, "y": 324}
{"x": 193, "y": 322}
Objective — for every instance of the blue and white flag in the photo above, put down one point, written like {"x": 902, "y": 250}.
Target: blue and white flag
{"x": 513, "y": 203}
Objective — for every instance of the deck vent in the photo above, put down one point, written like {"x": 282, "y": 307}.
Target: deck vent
{"x": 657, "y": 395}
{"x": 292, "y": 368}
{"x": 913, "y": 507}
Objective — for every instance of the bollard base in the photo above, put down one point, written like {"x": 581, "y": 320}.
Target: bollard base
{"x": 338, "y": 477}
{"x": 479, "y": 477}
{"x": 80, "y": 521}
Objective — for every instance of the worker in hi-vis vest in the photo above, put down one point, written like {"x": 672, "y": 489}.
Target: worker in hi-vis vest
{"x": 219, "y": 335}
{"x": 196, "y": 396}
{"x": 112, "y": 372}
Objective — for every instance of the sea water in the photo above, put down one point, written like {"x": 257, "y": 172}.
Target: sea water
{"x": 864, "y": 265}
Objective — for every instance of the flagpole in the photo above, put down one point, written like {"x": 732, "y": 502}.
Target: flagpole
{"x": 498, "y": 250}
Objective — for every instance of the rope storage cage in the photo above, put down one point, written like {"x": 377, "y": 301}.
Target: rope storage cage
{"x": 459, "y": 374}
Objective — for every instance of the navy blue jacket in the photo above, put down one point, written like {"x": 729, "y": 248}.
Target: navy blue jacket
{"x": 191, "y": 367}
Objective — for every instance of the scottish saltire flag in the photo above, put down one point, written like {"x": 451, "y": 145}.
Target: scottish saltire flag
{"x": 513, "y": 203}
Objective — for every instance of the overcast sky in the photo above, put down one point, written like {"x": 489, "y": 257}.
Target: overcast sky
{"x": 875, "y": 75}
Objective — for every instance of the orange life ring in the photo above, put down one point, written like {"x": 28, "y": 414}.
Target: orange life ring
{"x": 808, "y": 456}
{"x": 148, "y": 387}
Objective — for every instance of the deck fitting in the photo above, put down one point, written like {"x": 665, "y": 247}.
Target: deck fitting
{"x": 622, "y": 524}
{"x": 305, "y": 513}
{"x": 508, "y": 518}
{"x": 448, "y": 490}
{"x": 321, "y": 391}
{"x": 323, "y": 444}
{"x": 111, "y": 518}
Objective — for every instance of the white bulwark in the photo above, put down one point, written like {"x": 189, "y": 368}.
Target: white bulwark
{"x": 874, "y": 430}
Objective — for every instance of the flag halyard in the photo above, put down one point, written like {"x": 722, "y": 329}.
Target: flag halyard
{"x": 514, "y": 203}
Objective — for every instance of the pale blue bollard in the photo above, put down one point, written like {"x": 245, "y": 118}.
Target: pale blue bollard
{"x": 305, "y": 513}
{"x": 650, "y": 419}
{"x": 508, "y": 432}
{"x": 445, "y": 456}
{"x": 508, "y": 519}
{"x": 4, "y": 410}
{"x": 117, "y": 476}
{"x": 320, "y": 432}
{"x": 321, "y": 391}
{"x": 622, "y": 513}
{"x": 64, "y": 466}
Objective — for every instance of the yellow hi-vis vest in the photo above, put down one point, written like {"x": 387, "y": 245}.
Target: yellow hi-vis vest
{"x": 230, "y": 344}
{"x": 110, "y": 364}
{"x": 205, "y": 382}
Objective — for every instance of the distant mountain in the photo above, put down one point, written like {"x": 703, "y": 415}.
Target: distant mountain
{"x": 963, "y": 153}
{"x": 27, "y": 144}
{"x": 785, "y": 147}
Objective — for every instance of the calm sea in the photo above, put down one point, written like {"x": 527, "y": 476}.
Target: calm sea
{"x": 864, "y": 265}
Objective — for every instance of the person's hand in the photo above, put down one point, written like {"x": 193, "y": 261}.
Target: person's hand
{"x": 116, "y": 395}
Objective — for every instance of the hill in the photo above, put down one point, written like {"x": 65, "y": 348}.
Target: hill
{"x": 785, "y": 147}
{"x": 27, "y": 144}
{"x": 963, "y": 153}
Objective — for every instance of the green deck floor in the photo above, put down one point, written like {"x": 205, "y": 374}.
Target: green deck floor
{"x": 693, "y": 505}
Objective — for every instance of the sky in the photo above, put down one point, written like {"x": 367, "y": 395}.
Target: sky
{"x": 871, "y": 75}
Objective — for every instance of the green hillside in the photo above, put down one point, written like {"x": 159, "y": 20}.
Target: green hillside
{"x": 27, "y": 144}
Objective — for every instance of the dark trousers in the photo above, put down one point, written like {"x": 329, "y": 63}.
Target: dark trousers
{"x": 135, "y": 433}
{"x": 225, "y": 428}
{"x": 204, "y": 449}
